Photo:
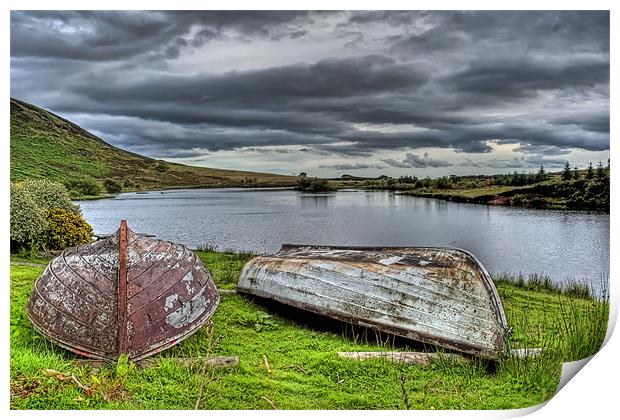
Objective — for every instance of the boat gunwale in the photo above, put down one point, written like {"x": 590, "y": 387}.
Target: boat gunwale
{"x": 55, "y": 338}
{"x": 429, "y": 339}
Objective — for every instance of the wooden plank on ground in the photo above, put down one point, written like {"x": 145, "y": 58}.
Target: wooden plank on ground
{"x": 227, "y": 291}
{"x": 527, "y": 352}
{"x": 409, "y": 357}
{"x": 211, "y": 361}
{"x": 424, "y": 358}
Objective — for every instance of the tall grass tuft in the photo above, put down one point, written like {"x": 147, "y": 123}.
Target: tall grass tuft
{"x": 582, "y": 327}
{"x": 531, "y": 372}
{"x": 579, "y": 328}
{"x": 543, "y": 283}
{"x": 207, "y": 247}
{"x": 578, "y": 290}
{"x": 534, "y": 282}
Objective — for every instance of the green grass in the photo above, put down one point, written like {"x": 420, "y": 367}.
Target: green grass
{"x": 26, "y": 259}
{"x": 576, "y": 194}
{"x": 492, "y": 194}
{"x": 473, "y": 192}
{"x": 543, "y": 283}
{"x": 44, "y": 145}
{"x": 305, "y": 370}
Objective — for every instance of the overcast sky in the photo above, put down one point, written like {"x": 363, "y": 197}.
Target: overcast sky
{"x": 364, "y": 93}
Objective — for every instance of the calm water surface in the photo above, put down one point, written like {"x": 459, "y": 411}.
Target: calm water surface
{"x": 560, "y": 244}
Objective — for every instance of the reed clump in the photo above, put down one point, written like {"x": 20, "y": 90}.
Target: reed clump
{"x": 568, "y": 323}
{"x": 539, "y": 282}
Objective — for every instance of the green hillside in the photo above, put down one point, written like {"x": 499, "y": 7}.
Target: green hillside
{"x": 44, "y": 145}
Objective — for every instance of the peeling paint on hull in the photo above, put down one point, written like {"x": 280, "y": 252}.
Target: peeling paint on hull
{"x": 138, "y": 296}
{"x": 438, "y": 296}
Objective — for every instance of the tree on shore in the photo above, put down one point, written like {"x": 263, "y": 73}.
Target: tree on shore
{"x": 315, "y": 184}
{"x": 566, "y": 173}
{"x": 590, "y": 173}
{"x": 542, "y": 174}
{"x": 600, "y": 170}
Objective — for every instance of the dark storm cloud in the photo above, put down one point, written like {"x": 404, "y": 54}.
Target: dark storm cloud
{"x": 394, "y": 18}
{"x": 395, "y": 163}
{"x": 357, "y": 76}
{"x": 540, "y": 149}
{"x": 517, "y": 77}
{"x": 412, "y": 160}
{"x": 352, "y": 166}
{"x": 140, "y": 135}
{"x": 522, "y": 31}
{"x": 396, "y": 80}
{"x": 111, "y": 35}
{"x": 182, "y": 154}
{"x": 517, "y": 162}
{"x": 538, "y": 159}
{"x": 588, "y": 122}
{"x": 265, "y": 151}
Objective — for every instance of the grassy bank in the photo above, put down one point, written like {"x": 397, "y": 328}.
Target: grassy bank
{"x": 554, "y": 194}
{"x": 579, "y": 190}
{"x": 304, "y": 370}
{"x": 44, "y": 145}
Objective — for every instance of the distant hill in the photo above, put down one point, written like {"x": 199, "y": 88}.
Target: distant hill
{"x": 44, "y": 145}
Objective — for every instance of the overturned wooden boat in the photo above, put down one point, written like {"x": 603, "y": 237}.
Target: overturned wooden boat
{"x": 439, "y": 296}
{"x": 126, "y": 294}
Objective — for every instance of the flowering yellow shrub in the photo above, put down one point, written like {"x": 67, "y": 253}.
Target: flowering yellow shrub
{"x": 66, "y": 229}
{"x": 43, "y": 217}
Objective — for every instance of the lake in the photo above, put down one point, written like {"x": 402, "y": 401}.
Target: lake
{"x": 561, "y": 244}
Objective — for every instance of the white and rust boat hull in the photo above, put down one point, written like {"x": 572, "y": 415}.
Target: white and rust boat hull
{"x": 439, "y": 296}
{"x": 126, "y": 294}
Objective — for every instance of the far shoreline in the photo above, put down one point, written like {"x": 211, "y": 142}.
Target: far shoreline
{"x": 442, "y": 197}
{"x": 193, "y": 187}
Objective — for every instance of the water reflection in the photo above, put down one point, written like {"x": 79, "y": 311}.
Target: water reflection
{"x": 314, "y": 201}
{"x": 441, "y": 205}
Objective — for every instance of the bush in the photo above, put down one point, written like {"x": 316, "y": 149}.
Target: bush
{"x": 537, "y": 202}
{"x": 161, "y": 167}
{"x": 27, "y": 219}
{"x": 48, "y": 195}
{"x": 112, "y": 186}
{"x": 84, "y": 186}
{"x": 517, "y": 200}
{"x": 66, "y": 229}
{"x": 312, "y": 184}
{"x": 587, "y": 195}
{"x": 443, "y": 183}
{"x": 319, "y": 184}
{"x": 42, "y": 216}
{"x": 303, "y": 182}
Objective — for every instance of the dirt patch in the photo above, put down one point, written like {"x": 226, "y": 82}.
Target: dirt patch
{"x": 500, "y": 201}
{"x": 23, "y": 387}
